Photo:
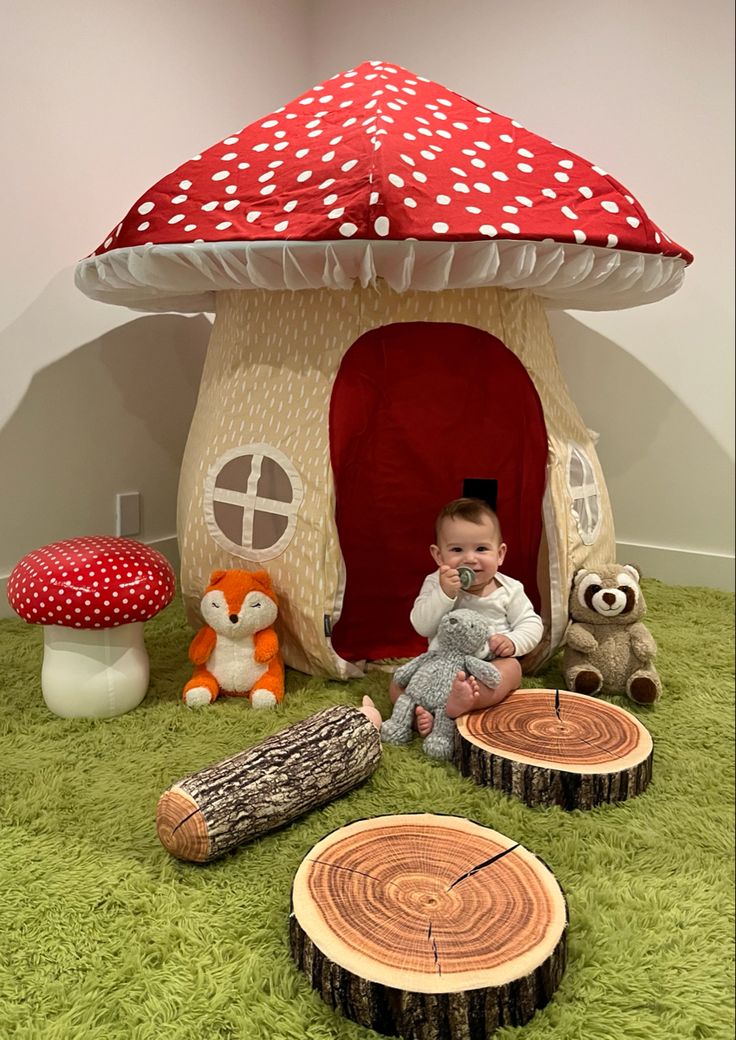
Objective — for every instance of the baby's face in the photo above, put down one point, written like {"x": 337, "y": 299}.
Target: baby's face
{"x": 461, "y": 543}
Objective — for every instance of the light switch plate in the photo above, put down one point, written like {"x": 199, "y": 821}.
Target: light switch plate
{"x": 128, "y": 513}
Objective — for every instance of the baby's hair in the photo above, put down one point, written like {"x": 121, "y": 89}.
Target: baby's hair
{"x": 474, "y": 510}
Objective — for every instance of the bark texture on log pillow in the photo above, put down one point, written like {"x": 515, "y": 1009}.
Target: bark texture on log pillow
{"x": 552, "y": 747}
{"x": 428, "y": 927}
{"x": 306, "y": 765}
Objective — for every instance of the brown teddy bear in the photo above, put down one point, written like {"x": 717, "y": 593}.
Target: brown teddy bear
{"x": 608, "y": 649}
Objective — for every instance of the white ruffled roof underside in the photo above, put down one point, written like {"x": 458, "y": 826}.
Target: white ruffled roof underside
{"x": 184, "y": 278}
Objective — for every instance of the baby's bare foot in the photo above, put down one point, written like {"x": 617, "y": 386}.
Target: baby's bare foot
{"x": 425, "y": 721}
{"x": 464, "y": 695}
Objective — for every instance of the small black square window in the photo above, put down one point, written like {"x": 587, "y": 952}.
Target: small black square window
{"x": 485, "y": 490}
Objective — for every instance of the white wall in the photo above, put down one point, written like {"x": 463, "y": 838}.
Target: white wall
{"x": 644, "y": 88}
{"x": 98, "y": 99}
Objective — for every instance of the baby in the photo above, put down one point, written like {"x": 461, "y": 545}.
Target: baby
{"x": 469, "y": 535}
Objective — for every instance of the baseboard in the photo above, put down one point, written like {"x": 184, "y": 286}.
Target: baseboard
{"x": 168, "y": 547}
{"x": 679, "y": 566}
{"x": 673, "y": 566}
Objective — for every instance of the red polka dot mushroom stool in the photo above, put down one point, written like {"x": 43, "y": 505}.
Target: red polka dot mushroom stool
{"x": 92, "y": 595}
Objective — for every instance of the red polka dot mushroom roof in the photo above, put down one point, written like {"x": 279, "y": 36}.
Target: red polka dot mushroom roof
{"x": 96, "y": 582}
{"x": 381, "y": 173}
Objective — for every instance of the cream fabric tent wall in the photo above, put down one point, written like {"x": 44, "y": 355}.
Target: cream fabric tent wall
{"x": 256, "y": 485}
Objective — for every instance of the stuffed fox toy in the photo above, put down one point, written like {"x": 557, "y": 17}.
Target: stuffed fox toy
{"x": 236, "y": 652}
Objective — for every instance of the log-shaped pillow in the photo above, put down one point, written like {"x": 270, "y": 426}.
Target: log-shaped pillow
{"x": 305, "y": 765}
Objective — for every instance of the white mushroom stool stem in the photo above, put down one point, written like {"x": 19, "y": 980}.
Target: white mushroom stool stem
{"x": 94, "y": 674}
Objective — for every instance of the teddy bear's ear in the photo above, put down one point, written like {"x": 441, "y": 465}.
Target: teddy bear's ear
{"x": 217, "y": 576}
{"x": 579, "y": 577}
{"x": 633, "y": 571}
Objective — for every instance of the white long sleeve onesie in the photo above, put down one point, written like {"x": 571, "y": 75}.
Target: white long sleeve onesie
{"x": 508, "y": 609}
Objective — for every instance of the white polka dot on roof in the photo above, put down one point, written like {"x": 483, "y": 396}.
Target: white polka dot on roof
{"x": 45, "y": 581}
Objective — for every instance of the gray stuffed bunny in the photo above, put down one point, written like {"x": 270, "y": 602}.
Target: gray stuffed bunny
{"x": 427, "y": 680}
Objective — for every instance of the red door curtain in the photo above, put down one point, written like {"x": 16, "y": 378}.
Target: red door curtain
{"x": 417, "y": 409}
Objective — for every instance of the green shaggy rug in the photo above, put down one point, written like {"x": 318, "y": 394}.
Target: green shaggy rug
{"x": 104, "y": 936}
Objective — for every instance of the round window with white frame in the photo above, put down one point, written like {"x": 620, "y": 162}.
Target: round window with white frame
{"x": 584, "y": 494}
{"x": 252, "y": 496}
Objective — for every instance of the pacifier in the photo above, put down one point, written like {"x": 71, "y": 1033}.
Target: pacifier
{"x": 467, "y": 577}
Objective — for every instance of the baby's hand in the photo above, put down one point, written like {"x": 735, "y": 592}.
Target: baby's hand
{"x": 502, "y": 646}
{"x": 450, "y": 581}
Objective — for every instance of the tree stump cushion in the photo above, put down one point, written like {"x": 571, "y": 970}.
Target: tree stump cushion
{"x": 555, "y": 747}
{"x": 428, "y": 926}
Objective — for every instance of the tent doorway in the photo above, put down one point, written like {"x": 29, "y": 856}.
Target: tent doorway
{"x": 419, "y": 410}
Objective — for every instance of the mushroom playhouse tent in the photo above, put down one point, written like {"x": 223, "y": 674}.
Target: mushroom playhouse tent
{"x": 379, "y": 253}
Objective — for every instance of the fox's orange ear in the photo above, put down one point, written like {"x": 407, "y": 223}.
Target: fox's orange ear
{"x": 217, "y": 576}
{"x": 262, "y": 577}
